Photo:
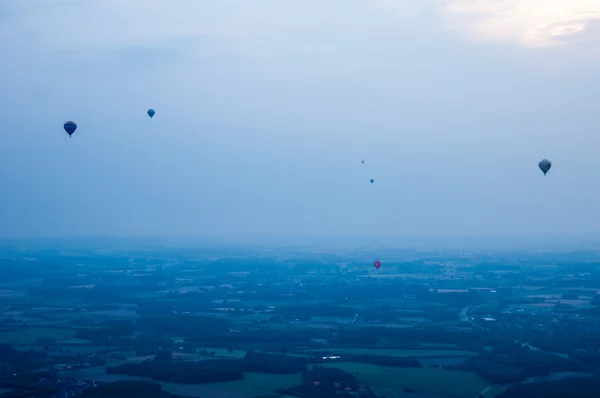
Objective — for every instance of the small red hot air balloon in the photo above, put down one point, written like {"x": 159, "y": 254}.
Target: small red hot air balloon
{"x": 377, "y": 264}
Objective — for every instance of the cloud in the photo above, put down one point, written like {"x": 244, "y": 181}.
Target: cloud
{"x": 531, "y": 23}
{"x": 107, "y": 25}
{"x": 86, "y": 42}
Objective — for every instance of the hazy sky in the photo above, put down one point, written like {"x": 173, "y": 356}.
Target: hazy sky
{"x": 265, "y": 108}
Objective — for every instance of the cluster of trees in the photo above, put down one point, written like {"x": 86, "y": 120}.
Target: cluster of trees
{"x": 269, "y": 363}
{"x": 128, "y": 389}
{"x": 319, "y": 310}
{"x": 565, "y": 337}
{"x": 588, "y": 358}
{"x": 323, "y": 382}
{"x": 501, "y": 369}
{"x": 397, "y": 362}
{"x": 381, "y": 360}
{"x": 185, "y": 325}
{"x": 25, "y": 390}
{"x": 580, "y": 388}
{"x": 13, "y": 361}
{"x": 367, "y": 337}
{"x": 266, "y": 339}
{"x": 154, "y": 330}
{"x": 209, "y": 371}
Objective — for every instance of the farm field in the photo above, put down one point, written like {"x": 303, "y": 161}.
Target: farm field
{"x": 450, "y": 383}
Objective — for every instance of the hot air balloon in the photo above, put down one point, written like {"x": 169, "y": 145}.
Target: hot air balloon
{"x": 151, "y": 113}
{"x": 545, "y": 165}
{"x": 377, "y": 264}
{"x": 70, "y": 127}
{"x": 372, "y": 181}
{"x": 362, "y": 161}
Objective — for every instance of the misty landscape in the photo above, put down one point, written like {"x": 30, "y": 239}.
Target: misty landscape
{"x": 299, "y": 198}
{"x": 119, "y": 318}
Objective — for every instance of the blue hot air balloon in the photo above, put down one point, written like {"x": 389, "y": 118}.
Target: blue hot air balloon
{"x": 70, "y": 127}
{"x": 372, "y": 181}
{"x": 151, "y": 112}
{"x": 545, "y": 165}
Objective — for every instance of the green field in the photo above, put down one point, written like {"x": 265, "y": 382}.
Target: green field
{"x": 30, "y": 335}
{"x": 399, "y": 353}
{"x": 451, "y": 383}
{"x": 77, "y": 341}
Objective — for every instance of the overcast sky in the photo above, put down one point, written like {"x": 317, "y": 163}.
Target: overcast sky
{"x": 265, "y": 109}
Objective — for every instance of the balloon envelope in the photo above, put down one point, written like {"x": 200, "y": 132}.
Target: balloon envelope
{"x": 70, "y": 127}
{"x": 362, "y": 161}
{"x": 372, "y": 181}
{"x": 151, "y": 112}
{"x": 377, "y": 264}
{"x": 545, "y": 165}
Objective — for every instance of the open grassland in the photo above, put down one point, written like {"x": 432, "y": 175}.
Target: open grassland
{"x": 451, "y": 383}
{"x": 399, "y": 353}
{"x": 30, "y": 335}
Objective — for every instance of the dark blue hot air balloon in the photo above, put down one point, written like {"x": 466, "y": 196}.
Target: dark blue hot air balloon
{"x": 545, "y": 165}
{"x": 70, "y": 127}
{"x": 371, "y": 181}
{"x": 151, "y": 113}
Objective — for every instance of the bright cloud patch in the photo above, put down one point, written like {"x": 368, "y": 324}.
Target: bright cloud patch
{"x": 529, "y": 22}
